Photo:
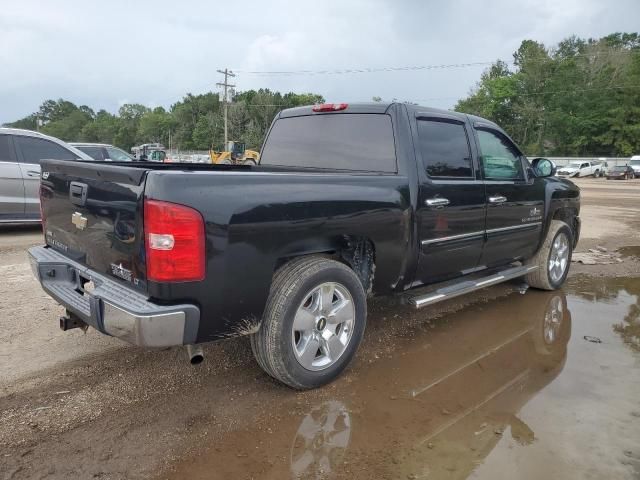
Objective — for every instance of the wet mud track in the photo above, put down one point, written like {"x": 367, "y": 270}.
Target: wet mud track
{"x": 509, "y": 389}
{"x": 492, "y": 385}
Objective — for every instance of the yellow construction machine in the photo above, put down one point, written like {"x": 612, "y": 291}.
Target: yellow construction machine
{"x": 235, "y": 153}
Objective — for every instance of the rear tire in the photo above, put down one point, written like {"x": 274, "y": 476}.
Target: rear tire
{"x": 553, "y": 258}
{"x": 313, "y": 322}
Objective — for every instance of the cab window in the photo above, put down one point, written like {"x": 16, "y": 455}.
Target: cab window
{"x": 500, "y": 159}
{"x": 444, "y": 147}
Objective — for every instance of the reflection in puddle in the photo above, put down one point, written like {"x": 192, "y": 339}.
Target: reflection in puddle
{"x": 321, "y": 440}
{"x": 498, "y": 390}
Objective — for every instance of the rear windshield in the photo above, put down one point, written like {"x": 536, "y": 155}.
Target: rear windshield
{"x": 359, "y": 142}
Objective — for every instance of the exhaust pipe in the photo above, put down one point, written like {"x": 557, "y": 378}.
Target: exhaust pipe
{"x": 196, "y": 356}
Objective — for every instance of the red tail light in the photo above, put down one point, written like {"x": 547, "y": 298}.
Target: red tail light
{"x": 330, "y": 107}
{"x": 174, "y": 241}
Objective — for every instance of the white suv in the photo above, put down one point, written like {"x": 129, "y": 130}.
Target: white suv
{"x": 20, "y": 154}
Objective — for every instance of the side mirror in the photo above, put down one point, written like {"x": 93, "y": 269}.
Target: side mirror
{"x": 543, "y": 167}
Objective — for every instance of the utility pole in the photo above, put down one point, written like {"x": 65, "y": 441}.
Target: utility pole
{"x": 227, "y": 73}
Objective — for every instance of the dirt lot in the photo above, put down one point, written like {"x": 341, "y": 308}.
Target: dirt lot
{"x": 499, "y": 385}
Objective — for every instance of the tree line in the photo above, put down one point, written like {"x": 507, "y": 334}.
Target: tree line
{"x": 579, "y": 97}
{"x": 194, "y": 123}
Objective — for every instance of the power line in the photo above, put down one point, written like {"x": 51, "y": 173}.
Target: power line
{"x": 557, "y": 92}
{"x": 284, "y": 73}
{"x": 362, "y": 70}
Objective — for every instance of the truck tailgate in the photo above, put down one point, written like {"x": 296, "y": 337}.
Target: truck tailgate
{"x": 92, "y": 213}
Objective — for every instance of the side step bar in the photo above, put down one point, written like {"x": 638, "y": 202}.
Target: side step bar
{"x": 466, "y": 286}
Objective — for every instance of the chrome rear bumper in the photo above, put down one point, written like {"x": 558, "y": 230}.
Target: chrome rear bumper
{"x": 112, "y": 307}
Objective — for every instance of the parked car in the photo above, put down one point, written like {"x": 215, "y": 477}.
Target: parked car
{"x": 21, "y": 152}
{"x": 103, "y": 152}
{"x": 348, "y": 201}
{"x": 635, "y": 164}
{"x": 579, "y": 169}
{"x": 604, "y": 167}
{"x": 620, "y": 172}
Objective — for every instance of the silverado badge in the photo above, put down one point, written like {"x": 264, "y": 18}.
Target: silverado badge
{"x": 79, "y": 221}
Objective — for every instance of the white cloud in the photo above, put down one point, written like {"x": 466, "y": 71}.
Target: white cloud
{"x": 153, "y": 52}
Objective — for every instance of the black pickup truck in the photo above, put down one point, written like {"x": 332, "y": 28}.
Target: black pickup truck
{"x": 349, "y": 200}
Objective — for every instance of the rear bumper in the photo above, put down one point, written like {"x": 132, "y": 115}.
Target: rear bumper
{"x": 111, "y": 307}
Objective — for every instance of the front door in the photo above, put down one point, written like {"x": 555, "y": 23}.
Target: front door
{"x": 451, "y": 200}
{"x": 11, "y": 184}
{"x": 515, "y": 202}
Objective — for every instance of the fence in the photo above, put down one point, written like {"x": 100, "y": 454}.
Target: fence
{"x": 611, "y": 162}
{"x": 202, "y": 156}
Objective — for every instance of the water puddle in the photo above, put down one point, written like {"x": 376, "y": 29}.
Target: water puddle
{"x": 630, "y": 252}
{"x": 509, "y": 388}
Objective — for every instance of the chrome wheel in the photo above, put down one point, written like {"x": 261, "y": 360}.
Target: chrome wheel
{"x": 553, "y": 320}
{"x": 323, "y": 326}
{"x": 559, "y": 257}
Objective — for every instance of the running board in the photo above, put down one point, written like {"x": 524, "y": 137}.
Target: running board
{"x": 466, "y": 286}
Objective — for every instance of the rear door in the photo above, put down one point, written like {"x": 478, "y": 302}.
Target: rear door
{"x": 31, "y": 151}
{"x": 11, "y": 183}
{"x": 451, "y": 199}
{"x": 515, "y": 202}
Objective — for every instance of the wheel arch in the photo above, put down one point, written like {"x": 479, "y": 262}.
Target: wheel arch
{"x": 356, "y": 252}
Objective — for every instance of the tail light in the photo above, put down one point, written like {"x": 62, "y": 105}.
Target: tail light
{"x": 174, "y": 240}
{"x": 329, "y": 107}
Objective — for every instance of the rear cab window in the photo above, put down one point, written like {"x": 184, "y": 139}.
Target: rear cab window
{"x": 445, "y": 150}
{"x": 346, "y": 141}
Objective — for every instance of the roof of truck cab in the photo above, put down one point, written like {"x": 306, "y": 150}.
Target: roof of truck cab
{"x": 382, "y": 107}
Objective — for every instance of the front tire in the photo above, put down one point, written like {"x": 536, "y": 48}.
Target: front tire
{"x": 313, "y": 323}
{"x": 553, "y": 258}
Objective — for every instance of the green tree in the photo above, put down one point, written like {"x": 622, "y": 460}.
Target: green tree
{"x": 581, "y": 97}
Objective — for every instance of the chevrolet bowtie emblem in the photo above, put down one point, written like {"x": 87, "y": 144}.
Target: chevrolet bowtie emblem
{"x": 79, "y": 221}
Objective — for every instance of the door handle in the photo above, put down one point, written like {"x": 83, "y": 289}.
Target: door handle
{"x": 33, "y": 173}
{"x": 497, "y": 199}
{"x": 436, "y": 202}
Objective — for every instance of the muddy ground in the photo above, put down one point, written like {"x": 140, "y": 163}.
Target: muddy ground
{"x": 498, "y": 385}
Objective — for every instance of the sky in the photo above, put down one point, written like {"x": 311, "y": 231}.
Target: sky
{"x": 107, "y": 53}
